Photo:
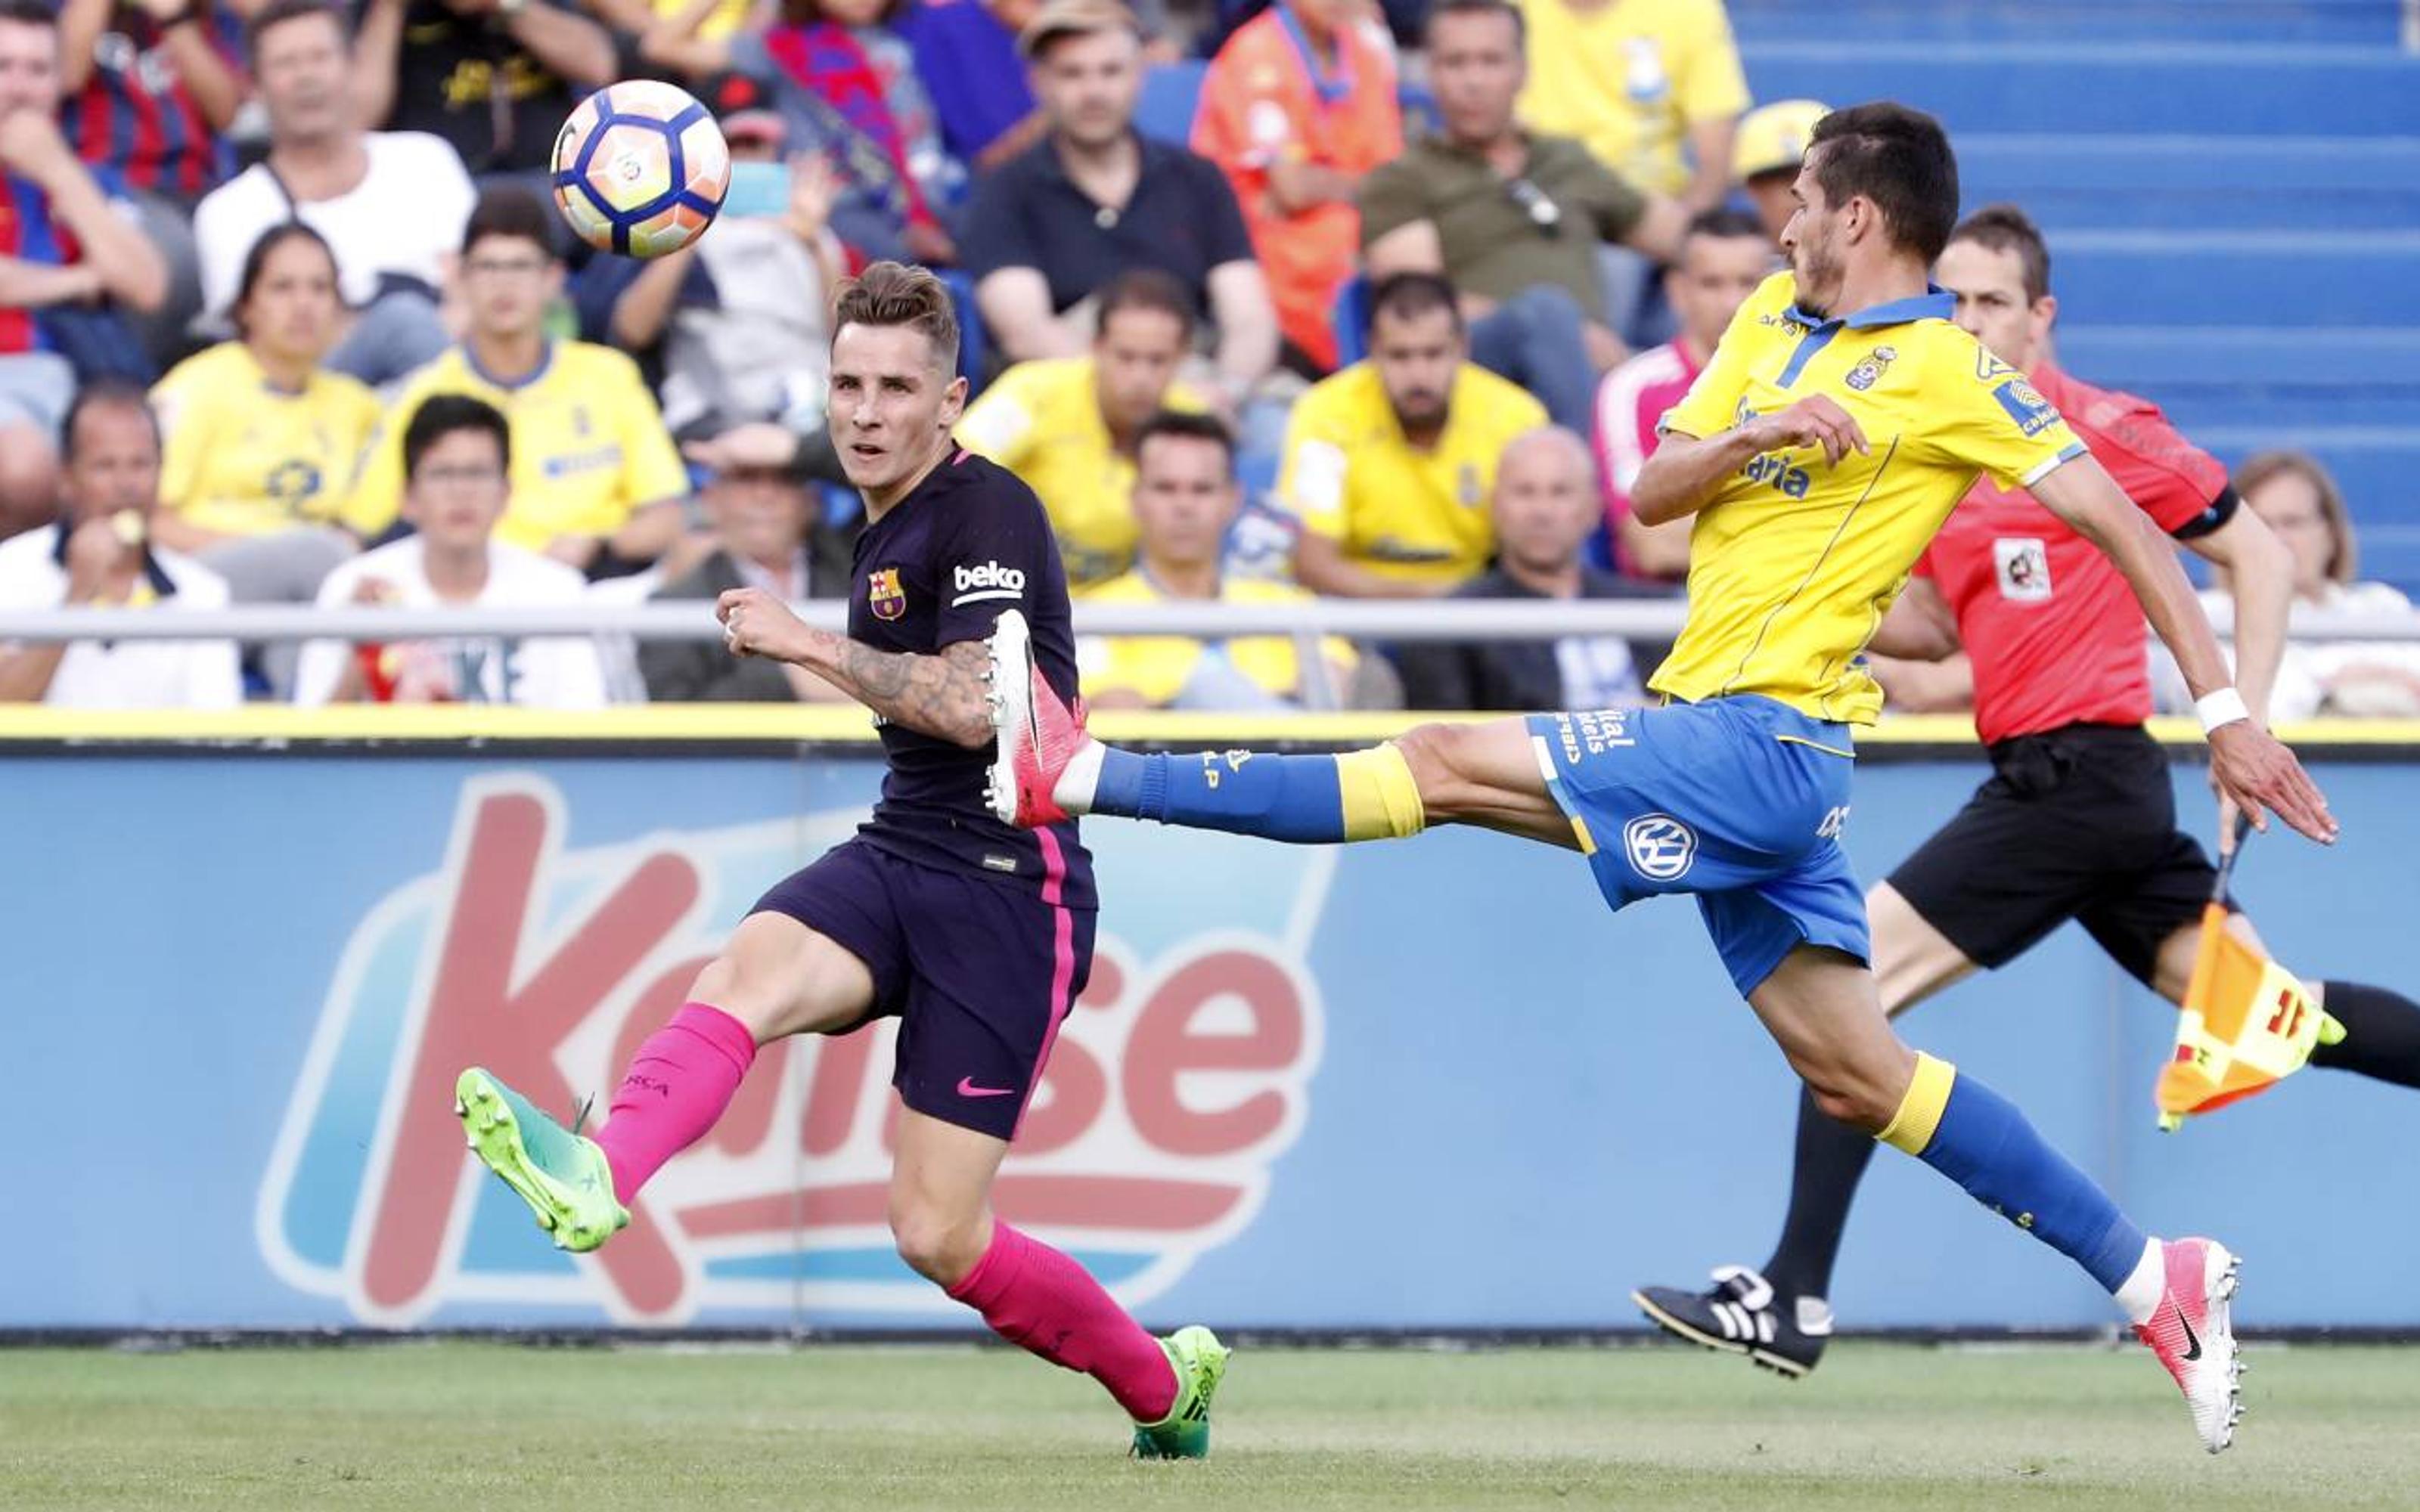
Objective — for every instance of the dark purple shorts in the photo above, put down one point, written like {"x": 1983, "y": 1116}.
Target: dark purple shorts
{"x": 980, "y": 974}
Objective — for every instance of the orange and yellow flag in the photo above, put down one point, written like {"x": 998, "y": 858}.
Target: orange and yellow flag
{"x": 2246, "y": 1022}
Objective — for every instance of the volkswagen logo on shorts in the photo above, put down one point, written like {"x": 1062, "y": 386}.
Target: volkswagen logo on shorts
{"x": 1660, "y": 846}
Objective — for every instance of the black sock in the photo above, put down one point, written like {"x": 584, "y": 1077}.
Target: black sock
{"x": 2381, "y": 1033}
{"x": 1831, "y": 1161}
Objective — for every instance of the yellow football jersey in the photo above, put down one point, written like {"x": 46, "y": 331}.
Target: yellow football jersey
{"x": 1040, "y": 420}
{"x": 1793, "y": 562}
{"x": 1158, "y": 666}
{"x": 589, "y": 446}
{"x": 244, "y": 458}
{"x": 1630, "y": 77}
{"x": 1415, "y": 515}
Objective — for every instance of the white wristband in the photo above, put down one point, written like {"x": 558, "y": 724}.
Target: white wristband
{"x": 2223, "y": 706}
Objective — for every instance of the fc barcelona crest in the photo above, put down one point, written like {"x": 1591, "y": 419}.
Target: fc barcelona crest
{"x": 884, "y": 595}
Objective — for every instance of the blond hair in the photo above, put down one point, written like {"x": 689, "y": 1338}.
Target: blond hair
{"x": 901, "y": 293}
{"x": 2344, "y": 556}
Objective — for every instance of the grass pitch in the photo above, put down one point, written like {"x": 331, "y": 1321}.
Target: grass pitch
{"x": 1879, "y": 1428}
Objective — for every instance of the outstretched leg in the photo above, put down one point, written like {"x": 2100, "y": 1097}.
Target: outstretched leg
{"x": 1821, "y": 1009}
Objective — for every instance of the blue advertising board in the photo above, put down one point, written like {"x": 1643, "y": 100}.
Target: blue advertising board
{"x": 1425, "y": 1084}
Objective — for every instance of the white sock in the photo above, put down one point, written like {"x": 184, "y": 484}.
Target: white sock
{"x": 2141, "y": 1291}
{"x": 1074, "y": 790}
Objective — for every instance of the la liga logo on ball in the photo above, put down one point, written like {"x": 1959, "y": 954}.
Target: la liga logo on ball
{"x": 639, "y": 169}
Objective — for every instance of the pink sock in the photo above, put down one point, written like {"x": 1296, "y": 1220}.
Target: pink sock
{"x": 1035, "y": 1297}
{"x": 678, "y": 1084}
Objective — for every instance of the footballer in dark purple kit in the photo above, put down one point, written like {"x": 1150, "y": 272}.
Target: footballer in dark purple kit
{"x": 977, "y": 934}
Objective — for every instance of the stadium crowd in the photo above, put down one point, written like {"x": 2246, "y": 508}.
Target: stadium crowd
{"x": 285, "y": 317}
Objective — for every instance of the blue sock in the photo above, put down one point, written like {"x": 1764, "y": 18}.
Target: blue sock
{"x": 1308, "y": 800}
{"x": 1987, "y": 1146}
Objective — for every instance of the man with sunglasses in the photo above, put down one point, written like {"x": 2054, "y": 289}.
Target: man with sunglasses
{"x": 1513, "y": 217}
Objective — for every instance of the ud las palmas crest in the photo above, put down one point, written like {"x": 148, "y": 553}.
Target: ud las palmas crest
{"x": 549, "y": 965}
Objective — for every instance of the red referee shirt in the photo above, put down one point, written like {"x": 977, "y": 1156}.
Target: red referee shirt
{"x": 2054, "y": 632}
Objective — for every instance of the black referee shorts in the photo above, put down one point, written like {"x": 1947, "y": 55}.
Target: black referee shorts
{"x": 2077, "y": 822}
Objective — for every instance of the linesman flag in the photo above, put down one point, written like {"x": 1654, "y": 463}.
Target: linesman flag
{"x": 2247, "y": 1022}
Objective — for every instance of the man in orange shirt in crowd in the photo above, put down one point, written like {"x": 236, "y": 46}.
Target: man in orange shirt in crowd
{"x": 1300, "y": 103}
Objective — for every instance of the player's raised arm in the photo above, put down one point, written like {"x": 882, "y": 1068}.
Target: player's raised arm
{"x": 2249, "y": 764}
{"x": 945, "y": 696}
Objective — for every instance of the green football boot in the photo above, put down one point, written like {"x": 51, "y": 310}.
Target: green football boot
{"x": 561, "y": 1175}
{"x": 1200, "y": 1363}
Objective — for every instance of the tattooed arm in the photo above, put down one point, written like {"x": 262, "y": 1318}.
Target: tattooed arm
{"x": 945, "y": 696}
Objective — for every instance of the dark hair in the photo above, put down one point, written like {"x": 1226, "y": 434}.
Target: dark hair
{"x": 1146, "y": 288}
{"x": 901, "y": 293}
{"x": 278, "y": 12}
{"x": 255, "y": 262}
{"x": 1726, "y": 222}
{"x": 1178, "y": 425}
{"x": 440, "y": 416}
{"x": 510, "y": 210}
{"x": 2344, "y": 554}
{"x": 1410, "y": 296}
{"x": 31, "y": 13}
{"x": 2006, "y": 229}
{"x": 1898, "y": 158}
{"x": 1505, "y": 8}
{"x": 103, "y": 394}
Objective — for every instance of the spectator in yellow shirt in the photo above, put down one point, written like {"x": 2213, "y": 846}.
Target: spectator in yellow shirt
{"x": 596, "y": 481}
{"x": 1185, "y": 497}
{"x": 1389, "y": 464}
{"x": 262, "y": 441}
{"x": 1652, "y": 87}
{"x": 1067, "y": 425}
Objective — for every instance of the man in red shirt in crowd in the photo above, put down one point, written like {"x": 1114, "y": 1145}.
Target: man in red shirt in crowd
{"x": 2079, "y": 819}
{"x": 1723, "y": 256}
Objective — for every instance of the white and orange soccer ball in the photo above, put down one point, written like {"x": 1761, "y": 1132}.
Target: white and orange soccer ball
{"x": 640, "y": 168}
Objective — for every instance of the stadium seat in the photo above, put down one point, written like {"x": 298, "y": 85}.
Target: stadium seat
{"x": 1172, "y": 97}
{"x": 1350, "y": 320}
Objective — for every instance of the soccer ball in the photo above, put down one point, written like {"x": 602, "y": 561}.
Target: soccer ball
{"x": 640, "y": 168}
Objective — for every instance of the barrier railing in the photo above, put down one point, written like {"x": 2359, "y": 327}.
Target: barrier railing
{"x": 1306, "y": 623}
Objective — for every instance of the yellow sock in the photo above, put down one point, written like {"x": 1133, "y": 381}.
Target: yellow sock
{"x": 1381, "y": 799}
{"x": 1919, "y": 1112}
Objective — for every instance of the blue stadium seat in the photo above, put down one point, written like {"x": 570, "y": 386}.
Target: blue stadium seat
{"x": 975, "y": 343}
{"x": 1172, "y": 97}
{"x": 1350, "y": 320}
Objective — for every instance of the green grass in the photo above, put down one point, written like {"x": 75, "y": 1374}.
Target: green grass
{"x": 1880, "y": 1428}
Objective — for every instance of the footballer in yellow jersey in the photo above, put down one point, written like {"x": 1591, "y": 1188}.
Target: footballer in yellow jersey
{"x": 1391, "y": 464}
{"x": 244, "y": 457}
{"x": 1840, "y": 420}
{"x": 589, "y": 445}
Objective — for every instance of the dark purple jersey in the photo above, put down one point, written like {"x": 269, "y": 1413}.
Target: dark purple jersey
{"x": 970, "y": 541}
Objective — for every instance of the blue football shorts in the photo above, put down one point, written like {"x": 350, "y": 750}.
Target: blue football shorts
{"x": 1737, "y": 800}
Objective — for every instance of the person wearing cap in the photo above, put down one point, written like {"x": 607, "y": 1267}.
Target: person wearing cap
{"x": 769, "y": 533}
{"x": 1093, "y": 199}
{"x": 1771, "y": 143}
{"x": 1297, "y": 107}
{"x": 1651, "y": 87}
{"x": 100, "y": 554}
{"x": 1513, "y": 217}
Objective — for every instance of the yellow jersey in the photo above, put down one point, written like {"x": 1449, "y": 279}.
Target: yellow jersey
{"x": 1040, "y": 421}
{"x": 1793, "y": 561}
{"x": 589, "y": 446}
{"x": 1628, "y": 78}
{"x": 242, "y": 457}
{"x": 1159, "y": 667}
{"x": 1417, "y": 515}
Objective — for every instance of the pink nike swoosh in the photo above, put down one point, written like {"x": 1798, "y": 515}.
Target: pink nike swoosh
{"x": 967, "y": 1087}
